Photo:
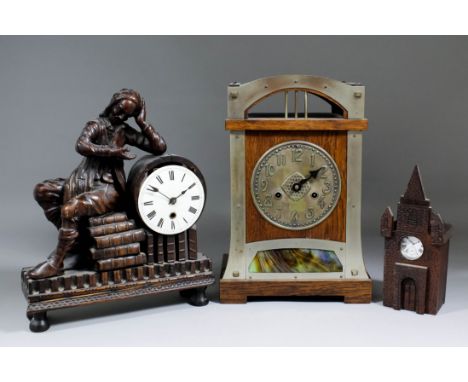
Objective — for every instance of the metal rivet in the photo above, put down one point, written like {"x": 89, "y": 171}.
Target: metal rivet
{"x": 233, "y": 95}
{"x": 357, "y": 94}
{"x": 235, "y": 274}
{"x": 354, "y": 272}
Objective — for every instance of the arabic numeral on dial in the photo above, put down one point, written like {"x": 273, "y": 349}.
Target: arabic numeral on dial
{"x": 293, "y": 216}
{"x": 312, "y": 160}
{"x": 321, "y": 202}
{"x": 327, "y": 189}
{"x": 269, "y": 170}
{"x": 310, "y": 213}
{"x": 279, "y": 213}
{"x": 263, "y": 184}
{"x": 323, "y": 172}
{"x": 280, "y": 159}
{"x": 268, "y": 202}
{"x": 297, "y": 155}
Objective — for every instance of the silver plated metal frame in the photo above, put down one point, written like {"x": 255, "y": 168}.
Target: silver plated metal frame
{"x": 350, "y": 97}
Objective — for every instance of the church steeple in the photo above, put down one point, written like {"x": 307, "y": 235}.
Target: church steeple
{"x": 414, "y": 193}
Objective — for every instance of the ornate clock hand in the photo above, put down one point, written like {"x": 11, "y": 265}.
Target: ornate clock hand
{"x": 312, "y": 174}
{"x": 154, "y": 189}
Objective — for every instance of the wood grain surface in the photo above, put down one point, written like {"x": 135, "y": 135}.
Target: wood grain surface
{"x": 256, "y": 144}
{"x": 333, "y": 124}
{"x": 353, "y": 291}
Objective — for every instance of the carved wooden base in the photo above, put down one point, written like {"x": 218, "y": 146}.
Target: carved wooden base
{"x": 76, "y": 288}
{"x": 353, "y": 291}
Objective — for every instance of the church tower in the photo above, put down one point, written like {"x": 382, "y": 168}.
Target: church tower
{"x": 416, "y": 252}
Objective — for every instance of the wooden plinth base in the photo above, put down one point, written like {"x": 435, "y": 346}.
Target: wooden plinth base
{"x": 76, "y": 288}
{"x": 353, "y": 291}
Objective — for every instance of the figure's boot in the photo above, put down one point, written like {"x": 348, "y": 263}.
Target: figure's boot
{"x": 53, "y": 266}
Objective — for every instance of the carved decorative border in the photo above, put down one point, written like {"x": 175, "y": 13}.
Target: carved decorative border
{"x": 139, "y": 289}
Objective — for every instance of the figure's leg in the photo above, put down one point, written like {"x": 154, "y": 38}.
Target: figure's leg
{"x": 53, "y": 266}
{"x": 84, "y": 205}
{"x": 49, "y": 195}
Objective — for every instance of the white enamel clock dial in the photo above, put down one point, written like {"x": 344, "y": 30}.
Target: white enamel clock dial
{"x": 411, "y": 248}
{"x": 171, "y": 199}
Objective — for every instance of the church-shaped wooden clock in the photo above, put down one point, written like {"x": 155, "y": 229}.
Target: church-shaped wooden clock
{"x": 295, "y": 190}
{"x": 416, "y": 252}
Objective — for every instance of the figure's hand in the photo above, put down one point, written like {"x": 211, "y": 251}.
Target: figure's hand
{"x": 141, "y": 118}
{"x": 124, "y": 153}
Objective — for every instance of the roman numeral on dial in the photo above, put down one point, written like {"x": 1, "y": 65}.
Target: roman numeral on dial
{"x": 171, "y": 175}
{"x": 192, "y": 210}
{"x": 148, "y": 203}
{"x": 195, "y": 197}
{"x": 151, "y": 215}
{"x": 159, "y": 179}
{"x": 172, "y": 225}
{"x": 161, "y": 222}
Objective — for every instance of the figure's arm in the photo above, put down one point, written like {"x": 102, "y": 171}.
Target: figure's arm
{"x": 85, "y": 144}
{"x": 148, "y": 140}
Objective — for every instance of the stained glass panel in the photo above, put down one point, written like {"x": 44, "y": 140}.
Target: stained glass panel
{"x": 295, "y": 260}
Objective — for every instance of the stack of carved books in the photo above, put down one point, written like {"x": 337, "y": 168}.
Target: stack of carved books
{"x": 116, "y": 242}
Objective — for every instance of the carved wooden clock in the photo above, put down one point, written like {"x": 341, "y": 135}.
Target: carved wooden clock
{"x": 295, "y": 191}
{"x": 121, "y": 239}
{"x": 416, "y": 252}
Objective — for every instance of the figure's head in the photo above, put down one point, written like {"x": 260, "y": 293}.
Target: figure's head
{"x": 124, "y": 104}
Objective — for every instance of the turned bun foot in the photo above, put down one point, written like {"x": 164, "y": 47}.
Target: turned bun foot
{"x": 197, "y": 297}
{"x": 39, "y": 322}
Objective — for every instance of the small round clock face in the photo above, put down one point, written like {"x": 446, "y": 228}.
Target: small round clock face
{"x": 171, "y": 199}
{"x": 411, "y": 248}
{"x": 296, "y": 185}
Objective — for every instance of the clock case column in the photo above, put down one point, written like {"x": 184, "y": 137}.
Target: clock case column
{"x": 347, "y": 121}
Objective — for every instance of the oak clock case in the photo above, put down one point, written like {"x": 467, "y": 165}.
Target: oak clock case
{"x": 295, "y": 191}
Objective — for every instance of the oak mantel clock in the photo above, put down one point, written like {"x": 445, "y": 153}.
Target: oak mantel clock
{"x": 295, "y": 190}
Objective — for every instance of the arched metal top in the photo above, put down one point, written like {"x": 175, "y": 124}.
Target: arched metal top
{"x": 347, "y": 96}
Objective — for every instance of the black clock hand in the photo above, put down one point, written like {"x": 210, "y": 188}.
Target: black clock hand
{"x": 312, "y": 174}
{"x": 154, "y": 189}
{"x": 174, "y": 200}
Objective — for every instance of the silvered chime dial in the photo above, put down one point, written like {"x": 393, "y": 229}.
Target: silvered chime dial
{"x": 296, "y": 185}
